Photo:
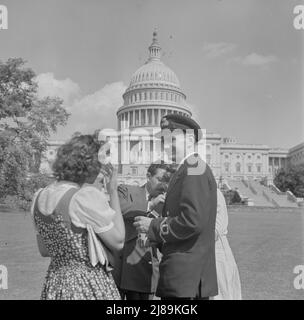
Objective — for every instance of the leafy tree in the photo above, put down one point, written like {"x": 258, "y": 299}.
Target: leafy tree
{"x": 292, "y": 179}
{"x": 26, "y": 123}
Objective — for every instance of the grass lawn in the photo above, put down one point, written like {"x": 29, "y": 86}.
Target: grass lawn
{"x": 267, "y": 246}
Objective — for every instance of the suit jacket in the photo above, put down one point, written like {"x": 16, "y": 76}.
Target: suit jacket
{"x": 186, "y": 234}
{"x": 136, "y": 268}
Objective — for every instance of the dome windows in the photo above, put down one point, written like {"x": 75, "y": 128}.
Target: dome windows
{"x": 144, "y": 95}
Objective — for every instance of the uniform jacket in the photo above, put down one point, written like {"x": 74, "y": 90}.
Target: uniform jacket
{"x": 186, "y": 234}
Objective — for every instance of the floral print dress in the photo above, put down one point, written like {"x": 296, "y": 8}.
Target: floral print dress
{"x": 70, "y": 275}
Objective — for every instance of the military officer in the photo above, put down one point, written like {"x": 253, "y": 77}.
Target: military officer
{"x": 186, "y": 231}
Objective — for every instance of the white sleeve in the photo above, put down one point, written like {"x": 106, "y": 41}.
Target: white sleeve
{"x": 33, "y": 207}
{"x": 89, "y": 206}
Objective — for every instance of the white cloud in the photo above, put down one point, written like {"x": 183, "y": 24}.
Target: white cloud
{"x": 213, "y": 50}
{"x": 98, "y": 110}
{"x": 89, "y": 112}
{"x": 65, "y": 89}
{"x": 255, "y": 59}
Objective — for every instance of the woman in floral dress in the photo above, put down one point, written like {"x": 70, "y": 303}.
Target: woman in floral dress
{"x": 77, "y": 227}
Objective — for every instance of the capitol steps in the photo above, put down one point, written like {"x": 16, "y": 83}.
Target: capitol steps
{"x": 260, "y": 195}
{"x": 247, "y": 191}
{"x": 281, "y": 199}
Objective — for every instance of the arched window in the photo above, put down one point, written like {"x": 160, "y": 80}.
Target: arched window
{"x": 238, "y": 167}
{"x": 259, "y": 167}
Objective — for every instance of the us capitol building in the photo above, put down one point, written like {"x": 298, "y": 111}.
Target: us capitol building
{"x": 155, "y": 91}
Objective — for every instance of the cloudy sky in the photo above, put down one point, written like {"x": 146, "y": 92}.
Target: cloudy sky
{"x": 240, "y": 62}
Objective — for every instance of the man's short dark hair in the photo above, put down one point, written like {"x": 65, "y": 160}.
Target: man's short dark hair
{"x": 155, "y": 166}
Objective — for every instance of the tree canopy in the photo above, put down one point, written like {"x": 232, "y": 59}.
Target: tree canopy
{"x": 292, "y": 179}
{"x": 26, "y": 124}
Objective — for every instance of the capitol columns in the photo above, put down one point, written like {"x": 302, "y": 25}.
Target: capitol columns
{"x": 125, "y": 144}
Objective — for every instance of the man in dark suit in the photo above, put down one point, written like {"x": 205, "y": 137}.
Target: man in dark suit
{"x": 186, "y": 231}
{"x": 136, "y": 269}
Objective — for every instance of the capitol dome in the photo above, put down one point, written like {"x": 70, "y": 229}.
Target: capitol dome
{"x": 153, "y": 92}
{"x": 154, "y": 71}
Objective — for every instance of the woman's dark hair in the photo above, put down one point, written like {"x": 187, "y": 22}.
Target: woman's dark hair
{"x": 77, "y": 160}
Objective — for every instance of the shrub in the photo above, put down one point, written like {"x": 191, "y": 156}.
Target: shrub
{"x": 232, "y": 197}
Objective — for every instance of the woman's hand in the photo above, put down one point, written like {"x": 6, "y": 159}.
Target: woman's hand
{"x": 112, "y": 178}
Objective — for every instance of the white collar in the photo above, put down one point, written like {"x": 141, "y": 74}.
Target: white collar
{"x": 185, "y": 158}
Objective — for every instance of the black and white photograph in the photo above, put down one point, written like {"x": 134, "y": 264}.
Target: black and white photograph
{"x": 152, "y": 150}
